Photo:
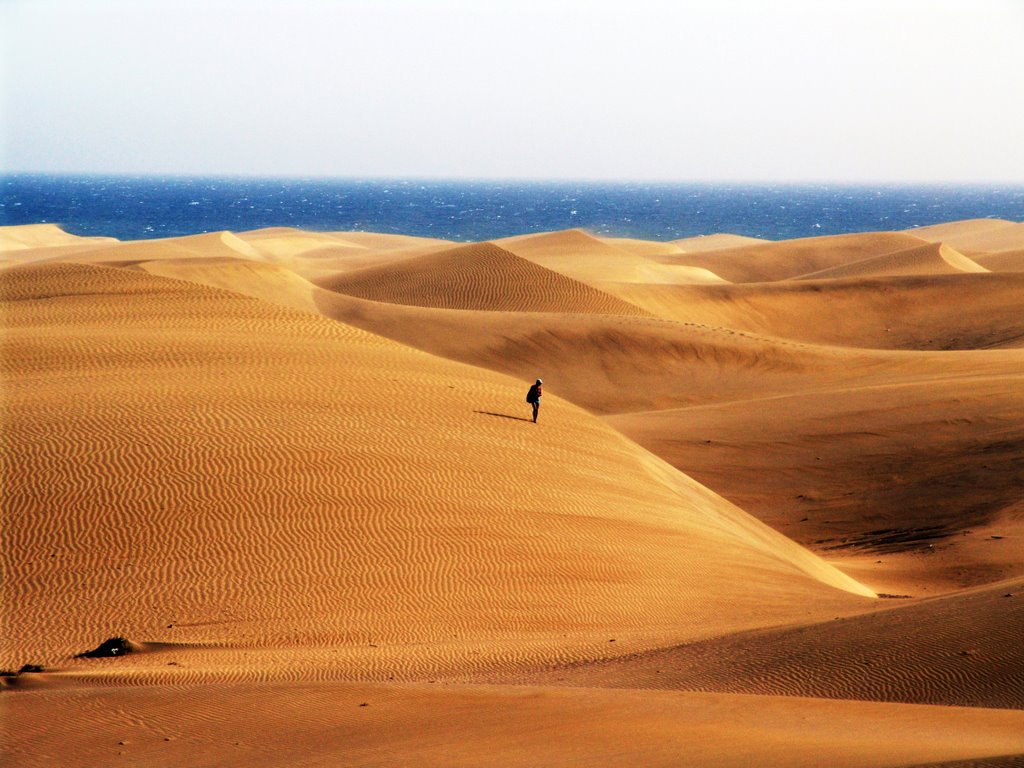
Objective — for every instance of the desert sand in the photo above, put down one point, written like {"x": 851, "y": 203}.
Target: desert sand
{"x": 771, "y": 514}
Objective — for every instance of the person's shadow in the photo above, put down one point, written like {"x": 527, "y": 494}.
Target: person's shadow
{"x": 503, "y": 416}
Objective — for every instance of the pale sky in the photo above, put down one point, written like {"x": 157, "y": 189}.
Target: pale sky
{"x": 785, "y": 91}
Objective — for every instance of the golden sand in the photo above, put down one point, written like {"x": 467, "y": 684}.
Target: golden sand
{"x": 296, "y": 471}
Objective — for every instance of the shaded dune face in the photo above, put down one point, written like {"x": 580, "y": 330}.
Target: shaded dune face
{"x": 899, "y": 312}
{"x": 190, "y": 465}
{"x": 880, "y": 467}
{"x": 478, "y": 276}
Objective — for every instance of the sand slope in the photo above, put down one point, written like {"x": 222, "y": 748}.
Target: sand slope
{"x": 32, "y": 236}
{"x": 975, "y": 234}
{"x": 959, "y": 650}
{"x": 715, "y": 242}
{"x": 596, "y": 261}
{"x": 901, "y": 312}
{"x": 931, "y": 259}
{"x": 767, "y": 262}
{"x": 1002, "y": 261}
{"x": 646, "y": 248}
{"x": 477, "y": 276}
{"x": 209, "y": 468}
{"x": 500, "y": 726}
{"x": 32, "y": 243}
{"x": 879, "y": 469}
{"x": 319, "y": 254}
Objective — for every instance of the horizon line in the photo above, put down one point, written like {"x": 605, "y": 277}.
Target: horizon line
{"x": 519, "y": 179}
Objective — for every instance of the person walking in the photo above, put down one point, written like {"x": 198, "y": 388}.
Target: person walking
{"x": 533, "y": 398}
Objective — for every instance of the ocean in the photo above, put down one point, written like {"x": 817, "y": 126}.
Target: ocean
{"x": 131, "y": 208}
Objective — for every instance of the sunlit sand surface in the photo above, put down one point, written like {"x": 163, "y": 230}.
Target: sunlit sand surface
{"x": 771, "y": 513}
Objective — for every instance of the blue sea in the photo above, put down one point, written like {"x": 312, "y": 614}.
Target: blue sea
{"x": 131, "y": 208}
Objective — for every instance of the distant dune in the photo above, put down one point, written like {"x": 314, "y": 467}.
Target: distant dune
{"x": 878, "y": 312}
{"x": 975, "y": 235}
{"x": 791, "y": 258}
{"x": 931, "y": 259}
{"x": 646, "y": 248}
{"x": 770, "y": 514}
{"x": 1002, "y": 261}
{"x": 714, "y": 242}
{"x": 29, "y": 236}
{"x": 597, "y": 262}
{"x": 478, "y": 276}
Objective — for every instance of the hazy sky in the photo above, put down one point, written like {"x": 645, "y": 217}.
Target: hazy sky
{"x": 900, "y": 90}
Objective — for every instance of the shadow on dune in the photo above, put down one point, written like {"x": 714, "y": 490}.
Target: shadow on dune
{"x": 503, "y": 416}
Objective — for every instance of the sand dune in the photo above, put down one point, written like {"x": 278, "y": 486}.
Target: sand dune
{"x": 322, "y": 254}
{"x": 500, "y": 726}
{"x": 920, "y": 466}
{"x": 594, "y": 261}
{"x": 478, "y": 276}
{"x": 217, "y": 245}
{"x": 386, "y": 241}
{"x": 647, "y": 248}
{"x": 715, "y": 242}
{"x": 285, "y": 243}
{"x": 931, "y": 259}
{"x": 1002, "y": 261}
{"x": 902, "y": 312}
{"x": 269, "y": 282}
{"x": 31, "y": 236}
{"x": 607, "y": 364}
{"x": 615, "y": 364}
{"x": 975, "y": 235}
{"x": 960, "y": 650}
{"x": 284, "y": 500}
{"x": 295, "y": 470}
{"x": 768, "y": 262}
{"x": 290, "y": 241}
{"x": 33, "y": 243}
